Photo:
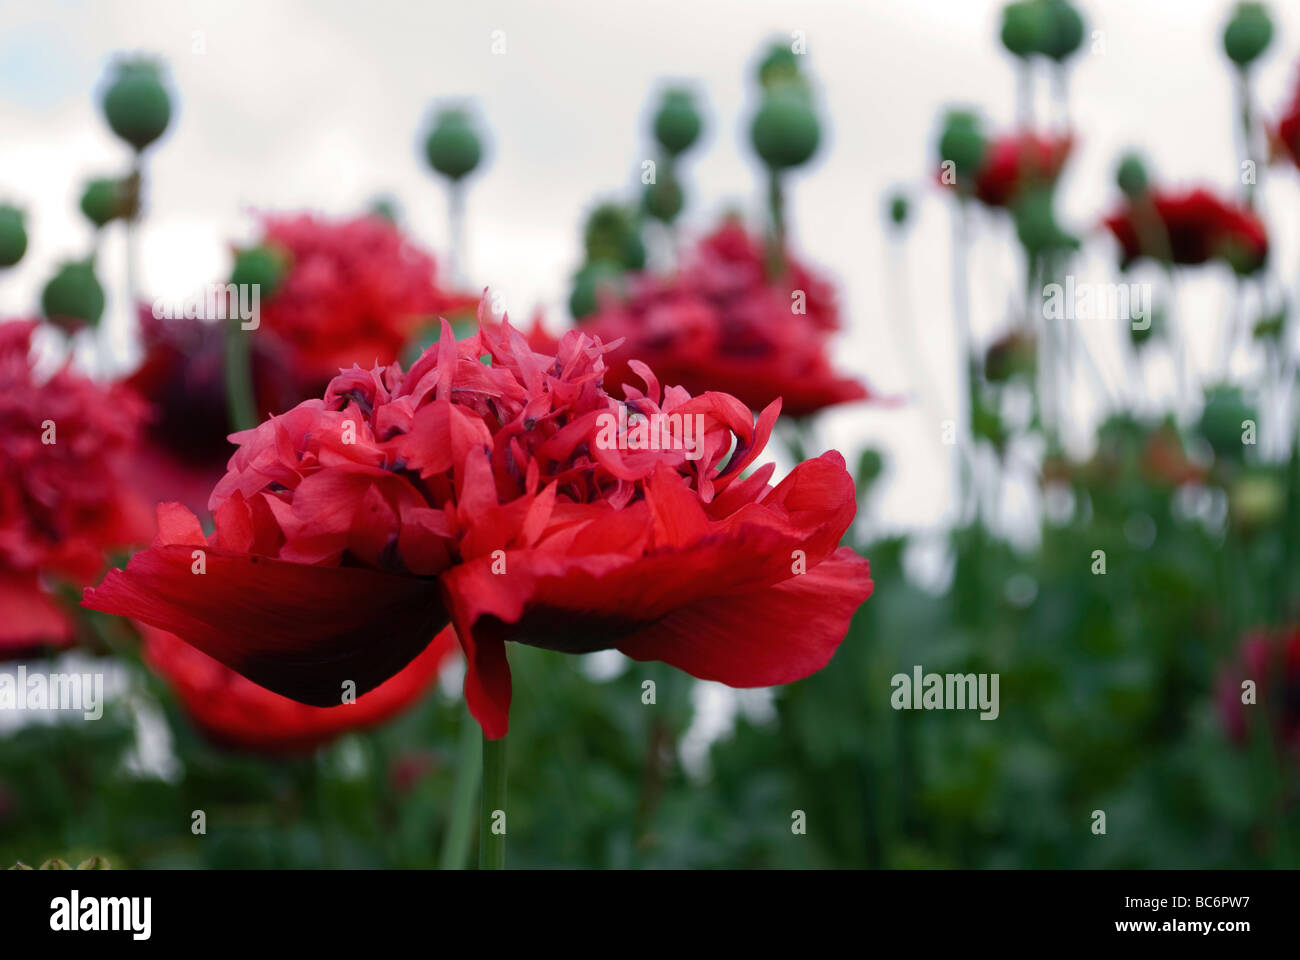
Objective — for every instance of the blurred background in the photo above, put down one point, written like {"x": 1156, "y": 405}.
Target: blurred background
{"x": 996, "y": 453}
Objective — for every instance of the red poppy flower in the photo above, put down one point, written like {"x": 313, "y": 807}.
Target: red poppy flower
{"x": 355, "y": 291}
{"x": 1272, "y": 661}
{"x": 1192, "y": 227}
{"x": 1286, "y": 135}
{"x": 520, "y": 501}
{"x": 235, "y": 712}
{"x": 1018, "y": 160}
{"x": 184, "y": 448}
{"x": 722, "y": 324}
{"x": 64, "y": 501}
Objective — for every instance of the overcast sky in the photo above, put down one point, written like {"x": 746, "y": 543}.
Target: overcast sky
{"x": 289, "y": 105}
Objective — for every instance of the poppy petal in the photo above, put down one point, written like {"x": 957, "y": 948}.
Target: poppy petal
{"x": 767, "y": 636}
{"x": 302, "y": 631}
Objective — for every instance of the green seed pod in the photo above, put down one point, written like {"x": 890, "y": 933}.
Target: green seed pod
{"x": 663, "y": 199}
{"x": 1036, "y": 224}
{"x": 594, "y": 281}
{"x": 677, "y": 123}
{"x": 136, "y": 103}
{"x": 73, "y": 297}
{"x": 785, "y": 131}
{"x": 779, "y": 65}
{"x": 1225, "y": 421}
{"x": 13, "y": 235}
{"x": 1063, "y": 29}
{"x": 1248, "y": 33}
{"x": 899, "y": 209}
{"x": 1131, "y": 175}
{"x": 1024, "y": 27}
{"x": 103, "y": 202}
{"x": 963, "y": 144}
{"x": 613, "y": 234}
{"x": 262, "y": 266}
{"x": 453, "y": 147}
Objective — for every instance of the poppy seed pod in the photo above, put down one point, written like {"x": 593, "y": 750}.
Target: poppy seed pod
{"x": 1248, "y": 33}
{"x": 590, "y": 284}
{"x": 1223, "y": 421}
{"x": 73, "y": 297}
{"x": 778, "y": 66}
{"x": 103, "y": 201}
{"x": 785, "y": 130}
{"x": 1036, "y": 224}
{"x": 663, "y": 199}
{"x": 136, "y": 103}
{"x": 612, "y": 234}
{"x": 963, "y": 144}
{"x": 677, "y": 123}
{"x": 453, "y": 147}
{"x": 898, "y": 209}
{"x": 262, "y": 267}
{"x": 1063, "y": 29}
{"x": 13, "y": 235}
{"x": 1024, "y": 27}
{"x": 1131, "y": 175}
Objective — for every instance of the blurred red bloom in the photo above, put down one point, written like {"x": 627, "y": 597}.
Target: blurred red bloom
{"x": 64, "y": 443}
{"x": 721, "y": 323}
{"x": 1286, "y": 135}
{"x": 1165, "y": 461}
{"x": 1271, "y": 659}
{"x": 1017, "y": 161}
{"x": 184, "y": 448}
{"x": 1190, "y": 227}
{"x": 355, "y": 291}
{"x": 502, "y": 497}
{"x": 235, "y": 712}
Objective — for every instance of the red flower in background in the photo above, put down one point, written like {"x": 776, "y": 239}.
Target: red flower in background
{"x": 720, "y": 323}
{"x": 64, "y": 500}
{"x": 497, "y": 496}
{"x": 184, "y": 448}
{"x": 235, "y": 712}
{"x": 1190, "y": 227}
{"x": 1286, "y": 135}
{"x": 1272, "y": 661}
{"x": 1165, "y": 460}
{"x": 355, "y": 291}
{"x": 1018, "y": 160}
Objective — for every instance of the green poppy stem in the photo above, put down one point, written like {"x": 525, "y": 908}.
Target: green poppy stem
{"x": 491, "y": 844}
{"x": 776, "y": 240}
{"x": 456, "y": 231}
{"x": 131, "y": 227}
{"x": 469, "y": 767}
{"x": 240, "y": 406}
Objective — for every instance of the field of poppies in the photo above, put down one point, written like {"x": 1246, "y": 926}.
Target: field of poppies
{"x": 350, "y": 567}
